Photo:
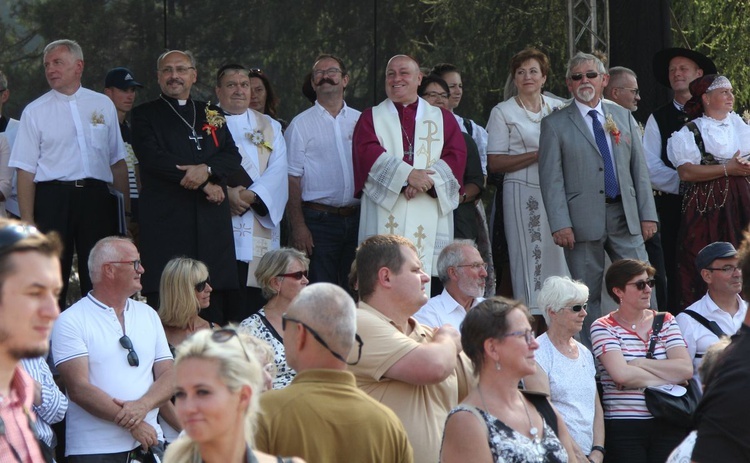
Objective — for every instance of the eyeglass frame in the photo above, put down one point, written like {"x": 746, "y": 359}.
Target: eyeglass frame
{"x": 636, "y": 91}
{"x": 590, "y": 75}
{"x": 285, "y": 318}
{"x": 179, "y": 70}
{"x": 725, "y": 269}
{"x": 640, "y": 285}
{"x": 577, "y": 308}
{"x": 133, "y": 359}
{"x": 216, "y": 336}
{"x": 529, "y": 334}
{"x": 13, "y": 233}
{"x": 442, "y": 95}
{"x": 330, "y": 72}
{"x": 475, "y": 265}
{"x": 135, "y": 263}
{"x": 296, "y": 275}
{"x": 201, "y": 285}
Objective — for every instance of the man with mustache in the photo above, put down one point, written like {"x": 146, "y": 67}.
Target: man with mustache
{"x": 185, "y": 153}
{"x": 322, "y": 209}
{"x": 29, "y": 286}
{"x": 462, "y": 272}
{"x": 594, "y": 181}
{"x": 67, "y": 152}
{"x": 409, "y": 161}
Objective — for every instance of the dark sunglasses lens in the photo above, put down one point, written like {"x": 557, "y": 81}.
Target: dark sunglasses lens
{"x": 222, "y": 335}
{"x": 126, "y": 343}
{"x": 592, "y": 75}
{"x": 202, "y": 285}
{"x": 578, "y": 307}
{"x": 299, "y": 275}
{"x": 133, "y": 359}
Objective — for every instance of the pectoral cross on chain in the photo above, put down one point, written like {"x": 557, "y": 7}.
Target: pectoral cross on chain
{"x": 197, "y": 139}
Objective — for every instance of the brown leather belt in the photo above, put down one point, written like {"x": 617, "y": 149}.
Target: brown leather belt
{"x": 345, "y": 211}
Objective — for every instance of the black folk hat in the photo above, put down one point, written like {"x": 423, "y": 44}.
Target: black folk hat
{"x": 661, "y": 63}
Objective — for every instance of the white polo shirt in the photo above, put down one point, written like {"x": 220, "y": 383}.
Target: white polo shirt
{"x": 91, "y": 329}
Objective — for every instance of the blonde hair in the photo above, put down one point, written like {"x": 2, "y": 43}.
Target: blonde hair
{"x": 236, "y": 369}
{"x": 275, "y": 262}
{"x": 177, "y": 299}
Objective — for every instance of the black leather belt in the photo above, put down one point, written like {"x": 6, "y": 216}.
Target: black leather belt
{"x": 617, "y": 199}
{"x": 82, "y": 183}
{"x": 344, "y": 211}
{"x": 663, "y": 193}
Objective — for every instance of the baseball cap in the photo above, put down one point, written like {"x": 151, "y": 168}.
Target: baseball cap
{"x": 121, "y": 78}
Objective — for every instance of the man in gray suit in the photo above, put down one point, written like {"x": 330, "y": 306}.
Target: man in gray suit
{"x": 594, "y": 181}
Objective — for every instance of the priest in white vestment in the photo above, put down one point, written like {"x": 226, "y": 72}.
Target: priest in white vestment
{"x": 409, "y": 159}
{"x": 257, "y": 200}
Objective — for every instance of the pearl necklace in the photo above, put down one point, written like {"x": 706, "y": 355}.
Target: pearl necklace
{"x": 542, "y": 106}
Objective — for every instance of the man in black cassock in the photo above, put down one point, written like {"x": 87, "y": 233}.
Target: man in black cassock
{"x": 185, "y": 153}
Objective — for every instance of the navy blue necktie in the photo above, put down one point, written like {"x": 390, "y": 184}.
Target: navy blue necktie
{"x": 611, "y": 188}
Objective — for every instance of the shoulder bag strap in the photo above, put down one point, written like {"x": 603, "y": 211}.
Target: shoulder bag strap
{"x": 708, "y": 324}
{"x": 655, "y": 329}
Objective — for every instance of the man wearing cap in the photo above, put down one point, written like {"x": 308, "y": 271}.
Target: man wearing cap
{"x": 120, "y": 86}
{"x": 674, "y": 68}
{"x": 67, "y": 152}
{"x": 185, "y": 154}
{"x": 721, "y": 311}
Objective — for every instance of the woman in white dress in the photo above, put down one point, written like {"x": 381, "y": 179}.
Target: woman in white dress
{"x": 512, "y": 148}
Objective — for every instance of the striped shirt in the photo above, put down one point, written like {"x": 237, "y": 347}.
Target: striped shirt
{"x": 54, "y": 403}
{"x": 18, "y": 443}
{"x": 607, "y": 335}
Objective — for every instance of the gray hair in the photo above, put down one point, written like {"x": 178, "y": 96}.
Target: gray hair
{"x": 451, "y": 256}
{"x": 187, "y": 53}
{"x": 581, "y": 58}
{"x": 105, "y": 250}
{"x": 273, "y": 263}
{"x": 71, "y": 45}
{"x": 558, "y": 292}
{"x": 330, "y": 311}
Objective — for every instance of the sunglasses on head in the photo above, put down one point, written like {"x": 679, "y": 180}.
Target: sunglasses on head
{"x": 641, "y": 284}
{"x": 589, "y": 75}
{"x": 199, "y": 287}
{"x": 14, "y": 233}
{"x": 225, "y": 334}
{"x": 295, "y": 275}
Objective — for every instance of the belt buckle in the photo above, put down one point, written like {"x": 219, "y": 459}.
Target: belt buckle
{"x": 80, "y": 183}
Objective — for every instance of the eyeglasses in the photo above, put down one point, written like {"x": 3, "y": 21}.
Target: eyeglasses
{"x": 295, "y": 275}
{"x": 578, "y": 307}
{"x": 12, "y": 234}
{"x": 3, "y": 89}
{"x": 199, "y": 287}
{"x": 529, "y": 335}
{"x": 328, "y": 72}
{"x": 126, "y": 343}
{"x": 256, "y": 71}
{"x": 475, "y": 265}
{"x": 180, "y": 70}
{"x": 727, "y": 269}
{"x": 636, "y": 91}
{"x": 589, "y": 75}
{"x": 641, "y": 284}
{"x": 317, "y": 337}
{"x": 442, "y": 95}
{"x": 135, "y": 263}
{"x": 225, "y": 334}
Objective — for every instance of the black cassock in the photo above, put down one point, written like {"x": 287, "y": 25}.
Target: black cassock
{"x": 175, "y": 221}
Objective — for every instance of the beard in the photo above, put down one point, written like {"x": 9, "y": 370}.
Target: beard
{"x": 585, "y": 93}
{"x": 471, "y": 287}
{"x": 28, "y": 352}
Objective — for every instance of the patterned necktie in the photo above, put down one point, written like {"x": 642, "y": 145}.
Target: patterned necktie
{"x": 610, "y": 179}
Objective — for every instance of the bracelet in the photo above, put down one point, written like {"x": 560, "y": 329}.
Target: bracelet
{"x": 599, "y": 448}
{"x": 725, "y": 170}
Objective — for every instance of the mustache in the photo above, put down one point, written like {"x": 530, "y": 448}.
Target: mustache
{"x": 174, "y": 80}
{"x": 326, "y": 80}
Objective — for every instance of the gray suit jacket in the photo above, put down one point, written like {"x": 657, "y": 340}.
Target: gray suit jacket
{"x": 571, "y": 173}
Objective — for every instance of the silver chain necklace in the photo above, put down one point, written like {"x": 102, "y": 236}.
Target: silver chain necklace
{"x": 532, "y": 429}
{"x": 194, "y": 136}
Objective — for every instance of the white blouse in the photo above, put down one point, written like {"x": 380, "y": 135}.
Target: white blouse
{"x": 720, "y": 138}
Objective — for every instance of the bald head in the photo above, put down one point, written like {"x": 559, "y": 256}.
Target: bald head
{"x": 402, "y": 79}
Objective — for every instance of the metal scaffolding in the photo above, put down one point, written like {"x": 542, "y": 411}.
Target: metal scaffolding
{"x": 588, "y": 26}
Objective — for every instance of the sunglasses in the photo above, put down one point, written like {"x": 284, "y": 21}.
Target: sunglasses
{"x": 589, "y": 75}
{"x": 12, "y": 234}
{"x": 225, "y": 334}
{"x": 126, "y": 343}
{"x": 199, "y": 287}
{"x": 641, "y": 285}
{"x": 578, "y": 307}
{"x": 529, "y": 335}
{"x": 285, "y": 318}
{"x": 295, "y": 275}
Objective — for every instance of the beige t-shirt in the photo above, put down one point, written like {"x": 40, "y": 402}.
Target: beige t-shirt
{"x": 422, "y": 409}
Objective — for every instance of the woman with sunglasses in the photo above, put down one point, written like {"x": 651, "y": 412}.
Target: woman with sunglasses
{"x": 185, "y": 291}
{"x": 565, "y": 367}
{"x": 620, "y": 342}
{"x": 497, "y": 421}
{"x": 218, "y": 385}
{"x": 281, "y": 274}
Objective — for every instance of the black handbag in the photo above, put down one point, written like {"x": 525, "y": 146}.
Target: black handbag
{"x": 677, "y": 411}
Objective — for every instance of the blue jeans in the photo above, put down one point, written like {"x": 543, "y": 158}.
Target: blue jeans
{"x": 335, "y": 240}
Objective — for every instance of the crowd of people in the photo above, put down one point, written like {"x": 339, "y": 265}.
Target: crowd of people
{"x": 257, "y": 290}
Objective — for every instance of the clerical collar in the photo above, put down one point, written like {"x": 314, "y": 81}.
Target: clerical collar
{"x": 174, "y": 101}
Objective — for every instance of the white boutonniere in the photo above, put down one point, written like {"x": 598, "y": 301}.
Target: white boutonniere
{"x": 97, "y": 118}
{"x": 611, "y": 127}
{"x": 256, "y": 138}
